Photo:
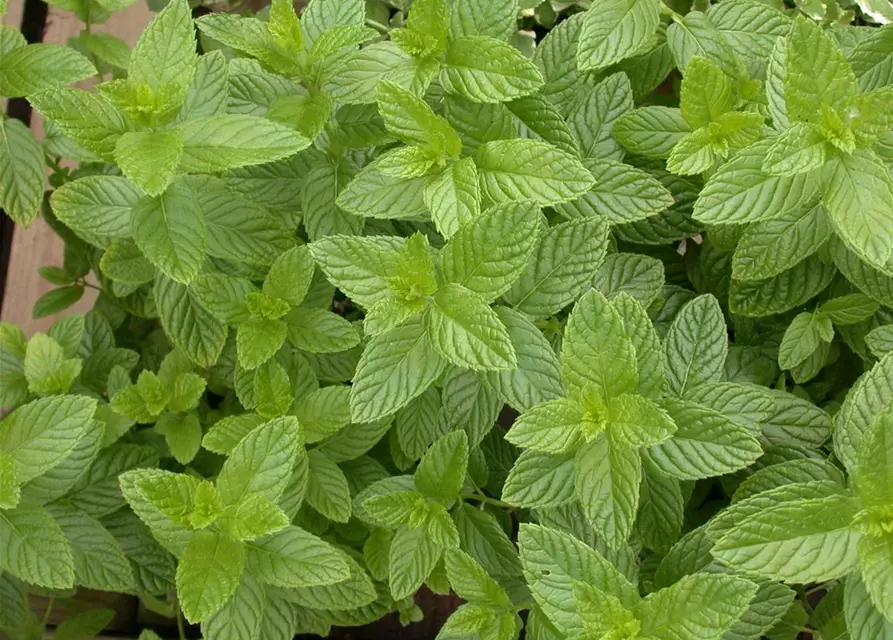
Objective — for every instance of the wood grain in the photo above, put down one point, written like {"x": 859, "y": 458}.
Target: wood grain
{"x": 36, "y": 245}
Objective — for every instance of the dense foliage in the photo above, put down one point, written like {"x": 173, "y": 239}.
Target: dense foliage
{"x": 584, "y": 313}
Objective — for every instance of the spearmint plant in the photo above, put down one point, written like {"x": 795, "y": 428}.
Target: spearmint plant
{"x": 581, "y": 311}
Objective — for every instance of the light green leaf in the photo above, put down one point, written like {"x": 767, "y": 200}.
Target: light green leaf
{"x": 21, "y": 171}
{"x": 482, "y": 537}
{"x": 208, "y": 574}
{"x": 615, "y": 30}
{"x": 372, "y": 194}
{"x": 530, "y": 170}
{"x": 540, "y": 480}
{"x": 442, "y": 470}
{"x": 863, "y": 620}
{"x": 553, "y": 561}
{"x": 327, "y": 488}
{"x": 696, "y": 345}
{"x": 489, "y": 253}
{"x": 646, "y": 342}
{"x": 465, "y": 331}
{"x": 164, "y": 57}
{"x": 149, "y": 158}
{"x": 454, "y": 198}
{"x": 484, "y": 69}
{"x": 294, "y": 558}
{"x": 783, "y": 292}
{"x": 187, "y": 323}
{"x": 702, "y": 605}
{"x": 607, "y": 484}
{"x": 472, "y": 583}
{"x": 359, "y": 266}
{"x": 597, "y": 355}
{"x": 40, "y": 67}
{"x": 816, "y": 72}
{"x": 40, "y": 434}
{"x": 661, "y": 509}
{"x": 96, "y": 208}
{"x": 706, "y": 92}
{"x": 320, "y": 331}
{"x": 802, "y": 337}
{"x": 46, "y": 368}
{"x": 858, "y": 196}
{"x": 706, "y": 443}
{"x": 86, "y": 117}
{"x": 495, "y": 19}
{"x": 799, "y": 149}
{"x": 880, "y": 340}
{"x": 740, "y": 191}
{"x": 413, "y": 556}
{"x": 635, "y": 422}
{"x": 651, "y": 131}
{"x": 551, "y": 427}
{"x": 796, "y": 541}
{"x": 638, "y": 276}
{"x": 216, "y": 143}
{"x": 561, "y": 268}
{"x": 35, "y": 549}
{"x": 170, "y": 231}
{"x": 768, "y": 248}
{"x": 396, "y": 366}
{"x": 622, "y": 194}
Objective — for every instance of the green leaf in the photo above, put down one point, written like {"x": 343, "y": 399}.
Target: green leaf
{"x": 802, "y": 337}
{"x": 695, "y": 35}
{"x": 799, "y": 149}
{"x": 696, "y": 345}
{"x": 465, "y": 331}
{"x": 187, "y": 323}
{"x": 99, "y": 561}
{"x": 412, "y": 558}
{"x": 46, "y": 368}
{"x": 489, "y": 253}
{"x": 85, "y": 625}
{"x": 319, "y": 331}
{"x": 553, "y": 561}
{"x": 327, "y": 488}
{"x": 540, "y": 480}
{"x": 635, "y": 422}
{"x": 863, "y": 620}
{"x": 86, "y": 117}
{"x": 10, "y": 493}
{"x": 294, "y": 558}
{"x": 858, "y": 195}
{"x": 482, "y": 537}
{"x": 706, "y": 443}
{"x": 552, "y": 426}
{"x": 561, "y": 268}
{"x": 661, "y": 509}
{"x": 880, "y": 340}
{"x": 607, "y": 484}
{"x": 539, "y": 119}
{"x": 637, "y": 276}
{"x": 783, "y": 292}
{"x": 651, "y": 131}
{"x": 261, "y": 463}
{"x": 21, "y": 172}
{"x": 258, "y": 340}
{"x": 472, "y": 583}
{"x": 768, "y": 248}
{"x": 216, "y": 143}
{"x": 442, "y": 470}
{"x": 483, "y": 18}
{"x": 164, "y": 57}
{"x": 740, "y": 191}
{"x": 396, "y": 366}
{"x": 872, "y": 467}
{"x": 623, "y": 194}
{"x": 208, "y": 574}
{"x": 597, "y": 356}
{"x": 40, "y": 67}
{"x": 149, "y": 158}
{"x": 706, "y": 92}
{"x": 357, "y": 591}
{"x": 96, "y": 208}
{"x": 372, "y": 194}
{"x": 484, "y": 69}
{"x": 701, "y": 605}
{"x": 359, "y": 266}
{"x": 454, "y": 198}
{"x": 35, "y": 549}
{"x": 795, "y": 541}
{"x": 601, "y": 613}
{"x": 253, "y": 612}
{"x": 412, "y": 119}
{"x": 538, "y": 375}
{"x": 615, "y": 30}
{"x": 530, "y": 170}
{"x": 816, "y": 72}
{"x": 170, "y": 231}
{"x": 40, "y": 434}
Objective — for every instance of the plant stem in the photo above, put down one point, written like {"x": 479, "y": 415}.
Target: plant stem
{"x": 46, "y": 615}
{"x": 181, "y": 630}
{"x": 482, "y": 498}
{"x": 377, "y": 26}
{"x": 667, "y": 11}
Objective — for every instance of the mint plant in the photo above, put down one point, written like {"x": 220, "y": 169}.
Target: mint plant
{"x": 581, "y": 311}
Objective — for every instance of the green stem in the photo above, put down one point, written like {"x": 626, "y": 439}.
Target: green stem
{"x": 482, "y": 498}
{"x": 46, "y": 615}
{"x": 181, "y": 630}
{"x": 377, "y": 26}
{"x": 668, "y": 11}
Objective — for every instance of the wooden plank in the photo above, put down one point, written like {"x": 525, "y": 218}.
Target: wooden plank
{"x": 37, "y": 245}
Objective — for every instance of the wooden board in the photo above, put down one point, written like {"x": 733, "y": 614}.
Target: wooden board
{"x": 36, "y": 245}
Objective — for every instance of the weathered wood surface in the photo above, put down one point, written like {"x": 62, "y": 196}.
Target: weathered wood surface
{"x": 37, "y": 245}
